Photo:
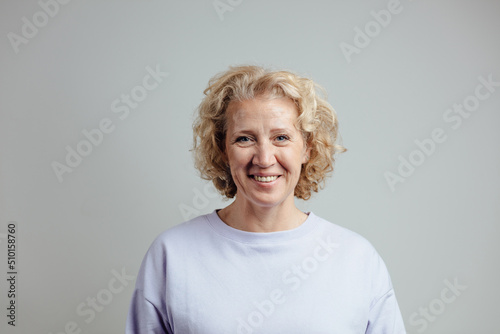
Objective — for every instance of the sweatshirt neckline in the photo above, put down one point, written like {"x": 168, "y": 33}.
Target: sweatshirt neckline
{"x": 260, "y": 237}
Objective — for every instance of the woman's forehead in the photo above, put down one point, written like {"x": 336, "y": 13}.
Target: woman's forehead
{"x": 278, "y": 108}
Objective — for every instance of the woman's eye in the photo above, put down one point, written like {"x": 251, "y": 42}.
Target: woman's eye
{"x": 282, "y": 138}
{"x": 242, "y": 139}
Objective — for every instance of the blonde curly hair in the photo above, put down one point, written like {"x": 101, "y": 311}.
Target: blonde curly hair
{"x": 317, "y": 121}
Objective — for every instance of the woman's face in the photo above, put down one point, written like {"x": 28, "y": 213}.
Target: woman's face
{"x": 264, "y": 150}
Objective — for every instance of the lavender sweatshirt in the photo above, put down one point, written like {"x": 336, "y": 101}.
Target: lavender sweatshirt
{"x": 203, "y": 276}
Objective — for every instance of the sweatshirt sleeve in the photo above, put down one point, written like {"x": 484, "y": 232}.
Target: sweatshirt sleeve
{"x": 384, "y": 315}
{"x": 147, "y": 312}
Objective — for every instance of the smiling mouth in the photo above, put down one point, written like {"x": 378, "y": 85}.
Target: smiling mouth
{"x": 264, "y": 178}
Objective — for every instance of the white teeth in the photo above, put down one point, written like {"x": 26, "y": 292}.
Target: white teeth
{"x": 265, "y": 178}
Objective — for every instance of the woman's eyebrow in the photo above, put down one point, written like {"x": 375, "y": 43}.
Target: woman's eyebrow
{"x": 242, "y": 131}
{"x": 274, "y": 130}
{"x": 283, "y": 129}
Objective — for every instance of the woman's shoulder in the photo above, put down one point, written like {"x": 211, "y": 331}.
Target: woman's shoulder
{"x": 355, "y": 248}
{"x": 343, "y": 235}
{"x": 189, "y": 229}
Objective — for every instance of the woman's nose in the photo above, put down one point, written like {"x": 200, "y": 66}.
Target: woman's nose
{"x": 264, "y": 155}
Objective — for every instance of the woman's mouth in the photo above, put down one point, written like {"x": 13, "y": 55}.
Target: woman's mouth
{"x": 265, "y": 178}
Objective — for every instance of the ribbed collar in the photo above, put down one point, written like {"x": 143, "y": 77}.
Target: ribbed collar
{"x": 261, "y": 237}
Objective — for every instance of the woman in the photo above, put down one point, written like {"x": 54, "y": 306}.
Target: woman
{"x": 261, "y": 265}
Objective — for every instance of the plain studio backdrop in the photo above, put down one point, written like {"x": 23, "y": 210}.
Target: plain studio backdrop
{"x": 97, "y": 101}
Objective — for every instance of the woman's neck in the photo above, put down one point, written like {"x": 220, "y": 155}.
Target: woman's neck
{"x": 253, "y": 218}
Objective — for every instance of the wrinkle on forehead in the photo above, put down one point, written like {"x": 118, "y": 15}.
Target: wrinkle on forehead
{"x": 238, "y": 112}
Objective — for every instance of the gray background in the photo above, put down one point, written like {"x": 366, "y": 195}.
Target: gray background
{"x": 441, "y": 224}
